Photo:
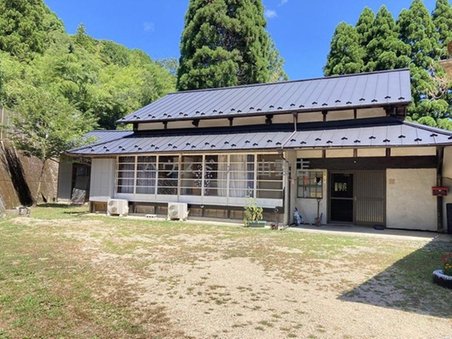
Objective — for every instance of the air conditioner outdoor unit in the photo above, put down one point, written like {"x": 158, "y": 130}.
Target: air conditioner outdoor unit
{"x": 177, "y": 211}
{"x": 117, "y": 207}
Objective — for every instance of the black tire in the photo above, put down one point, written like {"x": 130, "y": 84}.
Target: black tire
{"x": 441, "y": 279}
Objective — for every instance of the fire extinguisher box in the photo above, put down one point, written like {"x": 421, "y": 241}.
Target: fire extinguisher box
{"x": 440, "y": 191}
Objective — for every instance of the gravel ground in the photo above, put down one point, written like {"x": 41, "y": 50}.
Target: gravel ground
{"x": 230, "y": 282}
{"x": 213, "y": 286}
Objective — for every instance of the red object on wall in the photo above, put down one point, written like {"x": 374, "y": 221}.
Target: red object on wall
{"x": 440, "y": 191}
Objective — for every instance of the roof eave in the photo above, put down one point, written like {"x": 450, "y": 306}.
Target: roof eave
{"x": 262, "y": 113}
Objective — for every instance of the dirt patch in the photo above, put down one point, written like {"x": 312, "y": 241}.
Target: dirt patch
{"x": 220, "y": 282}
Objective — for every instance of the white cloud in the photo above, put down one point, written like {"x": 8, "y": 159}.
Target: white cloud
{"x": 283, "y": 2}
{"x": 270, "y": 13}
{"x": 149, "y": 26}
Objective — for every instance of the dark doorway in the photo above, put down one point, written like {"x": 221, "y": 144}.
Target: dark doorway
{"x": 341, "y": 194}
{"x": 80, "y": 183}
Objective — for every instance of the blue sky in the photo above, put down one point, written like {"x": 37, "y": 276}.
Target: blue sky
{"x": 301, "y": 29}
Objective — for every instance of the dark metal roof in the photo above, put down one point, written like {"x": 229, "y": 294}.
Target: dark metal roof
{"x": 371, "y": 133}
{"x": 101, "y": 136}
{"x": 378, "y": 132}
{"x": 328, "y": 93}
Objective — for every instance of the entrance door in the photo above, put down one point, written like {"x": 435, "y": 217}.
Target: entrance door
{"x": 341, "y": 197}
{"x": 370, "y": 197}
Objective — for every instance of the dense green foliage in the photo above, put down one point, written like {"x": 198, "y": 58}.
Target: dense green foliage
{"x": 346, "y": 54}
{"x": 225, "y": 43}
{"x": 98, "y": 81}
{"x": 417, "y": 40}
{"x": 419, "y": 33}
{"x": 61, "y": 86}
{"x": 27, "y": 27}
{"x": 442, "y": 18}
{"x": 385, "y": 50}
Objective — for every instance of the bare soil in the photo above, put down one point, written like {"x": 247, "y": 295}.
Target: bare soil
{"x": 229, "y": 282}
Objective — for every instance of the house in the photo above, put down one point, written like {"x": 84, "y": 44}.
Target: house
{"x": 74, "y": 172}
{"x": 336, "y": 148}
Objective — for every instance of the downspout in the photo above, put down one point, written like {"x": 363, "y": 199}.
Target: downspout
{"x": 439, "y": 182}
{"x": 287, "y": 190}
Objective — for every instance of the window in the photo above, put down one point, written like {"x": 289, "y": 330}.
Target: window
{"x": 210, "y": 175}
{"x": 146, "y": 175}
{"x": 269, "y": 176}
{"x": 168, "y": 175}
{"x": 216, "y": 176}
{"x": 191, "y": 175}
{"x": 241, "y": 176}
{"x": 126, "y": 174}
{"x": 310, "y": 184}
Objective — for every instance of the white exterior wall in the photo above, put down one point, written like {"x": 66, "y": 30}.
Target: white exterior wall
{"x": 409, "y": 200}
{"x": 339, "y": 153}
{"x": 372, "y": 152}
{"x": 340, "y": 115}
{"x": 371, "y": 113}
{"x": 310, "y": 153}
{"x": 308, "y": 206}
{"x": 413, "y": 151}
{"x": 102, "y": 179}
{"x": 447, "y": 181}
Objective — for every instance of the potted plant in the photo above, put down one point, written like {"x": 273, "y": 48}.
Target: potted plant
{"x": 444, "y": 277}
{"x": 253, "y": 216}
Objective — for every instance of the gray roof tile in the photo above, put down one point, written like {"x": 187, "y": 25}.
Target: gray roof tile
{"x": 378, "y": 132}
{"x": 335, "y": 92}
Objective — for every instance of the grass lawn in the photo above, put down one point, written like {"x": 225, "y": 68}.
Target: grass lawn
{"x": 65, "y": 273}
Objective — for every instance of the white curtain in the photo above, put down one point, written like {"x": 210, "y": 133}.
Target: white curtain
{"x": 222, "y": 175}
{"x": 238, "y": 177}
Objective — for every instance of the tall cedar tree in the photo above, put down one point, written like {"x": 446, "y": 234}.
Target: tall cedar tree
{"x": 385, "y": 50}
{"x": 442, "y": 18}
{"x": 27, "y": 27}
{"x": 346, "y": 53}
{"x": 418, "y": 32}
{"x": 225, "y": 43}
{"x": 363, "y": 27}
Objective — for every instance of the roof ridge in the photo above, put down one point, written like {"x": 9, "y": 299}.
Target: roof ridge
{"x": 427, "y": 128}
{"x": 110, "y": 130}
{"x": 290, "y": 81}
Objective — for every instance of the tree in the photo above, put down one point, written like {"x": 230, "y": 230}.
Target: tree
{"x": 225, "y": 43}
{"x": 27, "y": 27}
{"x": 385, "y": 50}
{"x": 45, "y": 125}
{"x": 442, "y": 18}
{"x": 418, "y": 32}
{"x": 96, "y": 78}
{"x": 346, "y": 53}
{"x": 276, "y": 67}
{"x": 170, "y": 64}
{"x": 363, "y": 26}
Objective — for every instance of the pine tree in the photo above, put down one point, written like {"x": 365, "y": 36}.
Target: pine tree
{"x": 224, "y": 43}
{"x": 363, "y": 26}
{"x": 418, "y": 32}
{"x": 385, "y": 50}
{"x": 346, "y": 53}
{"x": 442, "y": 18}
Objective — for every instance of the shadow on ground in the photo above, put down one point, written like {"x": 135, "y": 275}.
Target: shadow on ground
{"x": 407, "y": 285}
{"x": 66, "y": 209}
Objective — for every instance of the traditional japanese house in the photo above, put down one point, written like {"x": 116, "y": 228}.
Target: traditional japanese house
{"x": 337, "y": 148}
